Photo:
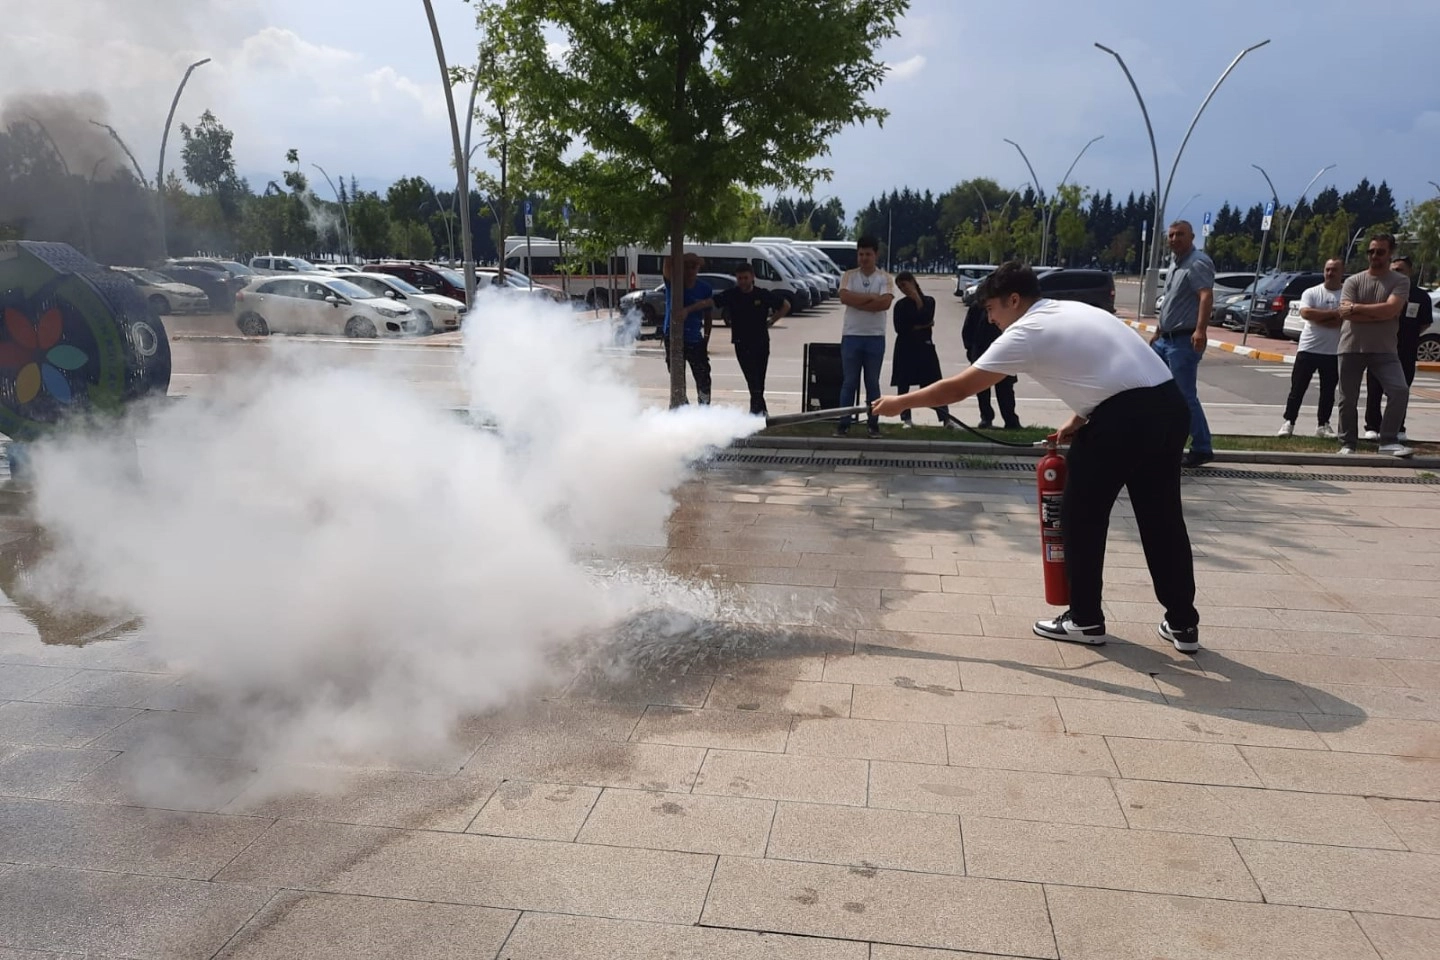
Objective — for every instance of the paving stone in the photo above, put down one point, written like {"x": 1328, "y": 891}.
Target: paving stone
{"x": 771, "y": 776}
{"x": 329, "y": 927}
{"x": 105, "y": 688}
{"x": 1361, "y": 700}
{"x": 1005, "y": 711}
{"x": 44, "y": 771}
{"x": 868, "y": 740}
{"x": 381, "y": 798}
{"x": 562, "y": 718}
{"x": 1182, "y": 761}
{"x": 734, "y": 826}
{"x": 892, "y": 671}
{"x": 1172, "y": 722}
{"x": 889, "y": 951}
{"x": 1255, "y": 814}
{"x": 1095, "y": 681}
{"x": 58, "y": 725}
{"x": 23, "y": 681}
{"x": 1081, "y": 856}
{"x": 201, "y": 784}
{"x": 550, "y": 937}
{"x": 498, "y": 872}
{"x": 1198, "y": 692}
{"x": 861, "y": 903}
{"x": 1325, "y": 771}
{"x": 538, "y": 811}
{"x": 1416, "y": 822}
{"x": 1344, "y": 878}
{"x": 1110, "y": 925}
{"x": 723, "y": 729}
{"x": 1399, "y": 738}
{"x": 975, "y": 791}
{"x": 857, "y": 836}
{"x": 87, "y": 912}
{"x": 1401, "y": 938}
{"x": 594, "y": 763}
{"x": 776, "y": 695}
{"x": 122, "y": 839}
{"x": 1297, "y": 667}
{"x": 1026, "y": 750}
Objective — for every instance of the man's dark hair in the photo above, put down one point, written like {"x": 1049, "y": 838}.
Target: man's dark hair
{"x": 1401, "y": 258}
{"x": 1386, "y": 238}
{"x": 744, "y": 268}
{"x": 1010, "y": 277}
{"x": 868, "y": 242}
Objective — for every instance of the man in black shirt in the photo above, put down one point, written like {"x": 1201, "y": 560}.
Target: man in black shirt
{"x": 750, "y": 311}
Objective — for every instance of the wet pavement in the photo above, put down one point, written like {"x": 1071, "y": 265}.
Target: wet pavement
{"x": 886, "y": 765}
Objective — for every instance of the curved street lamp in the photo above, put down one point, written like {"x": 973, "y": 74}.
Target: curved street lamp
{"x": 1147, "y": 296}
{"x": 164, "y": 136}
{"x": 344, "y": 214}
{"x": 461, "y": 160}
{"x": 1035, "y": 181}
{"x": 1280, "y": 251}
{"x": 1050, "y": 214}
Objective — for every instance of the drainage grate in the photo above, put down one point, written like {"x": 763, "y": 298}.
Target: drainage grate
{"x": 1012, "y": 466}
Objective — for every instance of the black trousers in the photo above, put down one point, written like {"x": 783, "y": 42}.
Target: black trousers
{"x": 1408, "y": 344}
{"x": 1005, "y": 397}
{"x": 754, "y": 360}
{"x": 1308, "y": 364}
{"x": 942, "y": 412}
{"x": 697, "y": 355}
{"x": 1133, "y": 442}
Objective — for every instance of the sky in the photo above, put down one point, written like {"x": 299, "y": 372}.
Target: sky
{"x": 355, "y": 87}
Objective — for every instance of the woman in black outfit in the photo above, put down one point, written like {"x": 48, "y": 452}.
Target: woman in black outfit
{"x": 916, "y": 364}
{"x": 978, "y": 333}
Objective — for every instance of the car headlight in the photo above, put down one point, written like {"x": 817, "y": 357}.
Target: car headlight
{"x": 387, "y": 312}
{"x": 447, "y": 307}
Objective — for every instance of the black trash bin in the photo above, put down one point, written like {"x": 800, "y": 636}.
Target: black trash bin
{"x": 822, "y": 376}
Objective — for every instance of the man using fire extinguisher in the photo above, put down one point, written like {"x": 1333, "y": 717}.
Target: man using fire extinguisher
{"x": 1129, "y": 429}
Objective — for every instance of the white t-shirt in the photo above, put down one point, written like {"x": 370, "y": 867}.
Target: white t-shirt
{"x": 866, "y": 323}
{"x": 1080, "y": 353}
{"x": 1315, "y": 338}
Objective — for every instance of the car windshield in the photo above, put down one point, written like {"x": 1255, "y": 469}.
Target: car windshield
{"x": 351, "y": 290}
{"x": 452, "y": 278}
{"x": 149, "y": 276}
{"x": 302, "y": 265}
{"x": 515, "y": 278}
{"x": 404, "y": 286}
{"x": 238, "y": 269}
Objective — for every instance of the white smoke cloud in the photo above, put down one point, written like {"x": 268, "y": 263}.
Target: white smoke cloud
{"x": 342, "y": 571}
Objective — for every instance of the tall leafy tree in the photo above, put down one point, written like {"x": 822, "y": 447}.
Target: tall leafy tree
{"x": 665, "y": 105}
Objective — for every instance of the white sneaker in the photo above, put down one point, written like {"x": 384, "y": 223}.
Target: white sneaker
{"x": 1324, "y": 432}
{"x": 950, "y": 425}
{"x": 1396, "y": 450}
{"x": 1065, "y": 628}
{"x": 1346, "y": 451}
{"x": 1287, "y": 429}
{"x": 1370, "y": 435}
{"x": 906, "y": 425}
{"x": 1401, "y": 437}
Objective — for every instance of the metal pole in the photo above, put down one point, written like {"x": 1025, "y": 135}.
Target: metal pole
{"x": 349, "y": 242}
{"x": 1152, "y": 273}
{"x": 65, "y": 167}
{"x": 1254, "y": 289}
{"x": 1433, "y": 184}
{"x": 1353, "y": 240}
{"x": 467, "y": 243}
{"x": 889, "y": 236}
{"x": 449, "y": 234}
{"x": 164, "y": 136}
{"x": 1050, "y": 216}
{"x": 114, "y": 135}
{"x": 1193, "y": 198}
{"x": 1039, "y": 194}
{"x": 1280, "y": 253}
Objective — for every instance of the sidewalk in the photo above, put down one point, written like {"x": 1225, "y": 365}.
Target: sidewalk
{"x": 887, "y": 766}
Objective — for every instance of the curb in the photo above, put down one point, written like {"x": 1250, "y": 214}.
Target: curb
{"x": 831, "y": 446}
{"x": 1262, "y": 355}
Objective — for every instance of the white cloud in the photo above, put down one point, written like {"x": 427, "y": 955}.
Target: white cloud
{"x": 906, "y": 69}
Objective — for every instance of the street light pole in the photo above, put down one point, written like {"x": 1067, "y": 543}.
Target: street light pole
{"x": 1259, "y": 261}
{"x": 1433, "y": 184}
{"x": 467, "y": 243}
{"x": 1161, "y": 199}
{"x": 1193, "y": 198}
{"x": 165, "y": 136}
{"x": 1050, "y": 214}
{"x": 1280, "y": 251}
{"x": 449, "y": 234}
{"x": 344, "y": 215}
{"x": 1039, "y": 194}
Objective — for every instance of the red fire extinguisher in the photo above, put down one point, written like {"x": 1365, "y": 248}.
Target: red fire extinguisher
{"x": 1050, "y": 479}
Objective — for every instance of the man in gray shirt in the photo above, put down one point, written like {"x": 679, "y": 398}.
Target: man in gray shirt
{"x": 1370, "y": 306}
{"x": 1181, "y": 339}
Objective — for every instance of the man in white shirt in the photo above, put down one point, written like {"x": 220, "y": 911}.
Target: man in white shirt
{"x": 1319, "y": 346}
{"x": 1129, "y": 429}
{"x": 867, "y": 294}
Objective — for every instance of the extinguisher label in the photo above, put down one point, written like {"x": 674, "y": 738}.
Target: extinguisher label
{"x": 1054, "y": 553}
{"x": 1050, "y": 510}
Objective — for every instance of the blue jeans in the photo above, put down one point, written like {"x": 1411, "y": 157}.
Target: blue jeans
{"x": 857, "y": 355}
{"x": 1184, "y": 363}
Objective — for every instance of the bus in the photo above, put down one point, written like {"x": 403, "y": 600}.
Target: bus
{"x": 597, "y": 282}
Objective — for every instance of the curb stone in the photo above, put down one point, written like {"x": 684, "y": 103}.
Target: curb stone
{"x": 1262, "y": 355}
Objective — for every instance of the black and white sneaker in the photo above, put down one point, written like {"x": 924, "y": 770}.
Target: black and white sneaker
{"x": 1186, "y": 641}
{"x": 1065, "y": 628}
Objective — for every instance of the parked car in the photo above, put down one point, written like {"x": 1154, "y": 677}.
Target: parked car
{"x": 650, "y": 304}
{"x": 426, "y": 277}
{"x": 968, "y": 277}
{"x": 317, "y": 303}
{"x": 1265, "y": 313}
{"x": 1220, "y": 312}
{"x": 1225, "y": 285}
{"x": 219, "y": 288}
{"x": 164, "y": 295}
{"x": 1095, "y": 287}
{"x": 269, "y": 266}
{"x": 515, "y": 280}
{"x": 1430, "y": 340}
{"x": 230, "y": 269}
{"x": 433, "y": 311}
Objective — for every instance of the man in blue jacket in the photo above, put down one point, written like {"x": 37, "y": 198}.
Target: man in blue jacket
{"x": 697, "y": 316}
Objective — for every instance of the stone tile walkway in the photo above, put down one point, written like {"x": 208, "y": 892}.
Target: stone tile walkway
{"x": 903, "y": 772}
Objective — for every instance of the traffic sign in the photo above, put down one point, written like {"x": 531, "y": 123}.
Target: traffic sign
{"x": 565, "y": 214}
{"x": 1205, "y": 228}
{"x": 1269, "y": 216}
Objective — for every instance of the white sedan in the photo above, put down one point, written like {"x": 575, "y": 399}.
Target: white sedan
{"x": 319, "y": 304}
{"x": 434, "y": 312}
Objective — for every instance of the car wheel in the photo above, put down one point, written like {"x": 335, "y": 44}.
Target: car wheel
{"x": 1429, "y": 349}
{"x": 253, "y": 325}
{"x": 427, "y": 326}
{"x": 160, "y": 305}
{"x": 359, "y": 328}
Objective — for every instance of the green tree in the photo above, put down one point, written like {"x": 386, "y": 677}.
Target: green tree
{"x": 411, "y": 241}
{"x": 1422, "y": 236}
{"x": 207, "y": 157}
{"x": 1070, "y": 222}
{"x": 370, "y": 224}
{"x": 665, "y": 105}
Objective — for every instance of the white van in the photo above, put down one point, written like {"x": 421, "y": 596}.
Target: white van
{"x": 841, "y": 252}
{"x": 771, "y": 272}
{"x": 553, "y": 263}
{"x": 819, "y": 288}
{"x": 816, "y": 263}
